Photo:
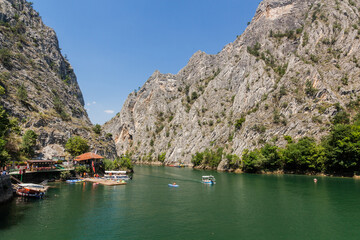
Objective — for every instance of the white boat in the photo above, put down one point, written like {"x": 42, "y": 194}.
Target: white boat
{"x": 208, "y": 179}
{"x": 31, "y": 190}
{"x": 33, "y": 186}
{"x": 116, "y": 175}
{"x": 75, "y": 180}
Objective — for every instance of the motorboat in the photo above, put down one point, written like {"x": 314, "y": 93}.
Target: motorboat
{"x": 208, "y": 180}
{"x": 74, "y": 180}
{"x": 31, "y": 190}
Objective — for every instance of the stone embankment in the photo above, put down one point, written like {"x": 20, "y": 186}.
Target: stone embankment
{"x": 6, "y": 192}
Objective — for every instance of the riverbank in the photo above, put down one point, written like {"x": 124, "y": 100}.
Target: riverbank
{"x": 6, "y": 192}
{"x": 157, "y": 163}
{"x": 240, "y": 171}
{"x": 279, "y": 172}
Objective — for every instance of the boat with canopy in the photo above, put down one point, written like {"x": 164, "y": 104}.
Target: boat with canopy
{"x": 208, "y": 180}
{"x": 31, "y": 190}
{"x": 116, "y": 175}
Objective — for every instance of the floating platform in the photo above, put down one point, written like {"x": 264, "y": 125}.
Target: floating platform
{"x": 105, "y": 181}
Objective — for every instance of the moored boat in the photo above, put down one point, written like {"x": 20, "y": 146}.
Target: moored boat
{"x": 116, "y": 176}
{"x": 75, "y": 180}
{"x": 208, "y": 180}
{"x": 180, "y": 165}
{"x": 31, "y": 190}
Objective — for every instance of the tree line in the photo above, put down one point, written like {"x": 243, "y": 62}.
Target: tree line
{"x": 338, "y": 153}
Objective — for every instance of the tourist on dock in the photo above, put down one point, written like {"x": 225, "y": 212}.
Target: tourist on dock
{"x": 4, "y": 171}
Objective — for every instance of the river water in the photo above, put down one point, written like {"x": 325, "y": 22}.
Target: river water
{"x": 239, "y": 206}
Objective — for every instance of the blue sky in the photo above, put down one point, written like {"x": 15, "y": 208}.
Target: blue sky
{"x": 115, "y": 45}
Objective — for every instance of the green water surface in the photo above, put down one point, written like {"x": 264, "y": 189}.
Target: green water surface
{"x": 238, "y": 207}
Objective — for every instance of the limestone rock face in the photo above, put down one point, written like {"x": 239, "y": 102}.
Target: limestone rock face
{"x": 40, "y": 86}
{"x": 284, "y": 75}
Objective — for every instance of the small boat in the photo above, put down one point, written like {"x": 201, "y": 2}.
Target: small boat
{"x": 76, "y": 180}
{"x": 208, "y": 180}
{"x": 31, "y": 190}
{"x": 180, "y": 166}
{"x": 24, "y": 192}
{"x": 177, "y": 165}
{"x": 173, "y": 185}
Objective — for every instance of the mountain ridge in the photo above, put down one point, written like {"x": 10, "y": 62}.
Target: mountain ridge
{"x": 283, "y": 76}
{"x": 40, "y": 88}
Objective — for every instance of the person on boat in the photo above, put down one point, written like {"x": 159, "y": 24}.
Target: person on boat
{"x": 174, "y": 183}
{"x": 315, "y": 180}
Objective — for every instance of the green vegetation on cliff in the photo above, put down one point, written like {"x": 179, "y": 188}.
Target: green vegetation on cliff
{"x": 208, "y": 157}
{"x": 4, "y": 132}
{"x": 76, "y": 146}
{"x": 122, "y": 163}
{"x": 337, "y": 153}
{"x": 28, "y": 143}
{"x": 13, "y": 144}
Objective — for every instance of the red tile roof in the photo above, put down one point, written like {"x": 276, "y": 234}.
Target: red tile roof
{"x": 87, "y": 156}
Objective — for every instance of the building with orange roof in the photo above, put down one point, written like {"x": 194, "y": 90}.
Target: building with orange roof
{"x": 91, "y": 160}
{"x": 88, "y": 156}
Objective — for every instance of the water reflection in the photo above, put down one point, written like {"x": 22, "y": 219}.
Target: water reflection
{"x": 238, "y": 206}
{"x": 14, "y": 211}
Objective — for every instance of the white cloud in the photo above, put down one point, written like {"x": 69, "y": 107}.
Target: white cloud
{"x": 88, "y": 104}
{"x": 109, "y": 111}
{"x": 93, "y": 102}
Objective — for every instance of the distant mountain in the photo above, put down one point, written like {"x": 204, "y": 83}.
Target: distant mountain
{"x": 38, "y": 84}
{"x": 293, "y": 68}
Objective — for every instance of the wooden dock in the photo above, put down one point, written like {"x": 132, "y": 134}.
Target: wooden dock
{"x": 104, "y": 181}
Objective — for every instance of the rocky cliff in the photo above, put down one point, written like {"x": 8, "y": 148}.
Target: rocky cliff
{"x": 38, "y": 84}
{"x": 291, "y": 70}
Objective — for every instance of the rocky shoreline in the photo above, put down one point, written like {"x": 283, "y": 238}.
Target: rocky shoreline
{"x": 239, "y": 171}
